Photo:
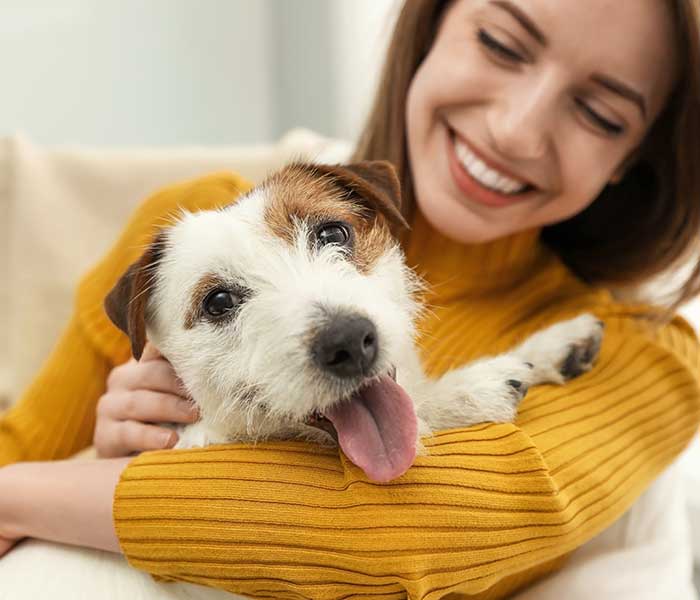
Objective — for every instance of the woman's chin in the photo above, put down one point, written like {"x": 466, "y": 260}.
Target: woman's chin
{"x": 460, "y": 223}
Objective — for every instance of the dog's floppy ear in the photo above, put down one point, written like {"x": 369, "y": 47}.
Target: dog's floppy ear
{"x": 375, "y": 182}
{"x": 126, "y": 303}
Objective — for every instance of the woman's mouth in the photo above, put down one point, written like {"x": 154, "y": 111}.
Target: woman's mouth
{"x": 482, "y": 182}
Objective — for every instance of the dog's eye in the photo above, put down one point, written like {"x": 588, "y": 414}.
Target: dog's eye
{"x": 333, "y": 233}
{"x": 220, "y": 302}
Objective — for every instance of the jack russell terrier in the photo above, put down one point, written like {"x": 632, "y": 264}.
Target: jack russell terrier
{"x": 290, "y": 314}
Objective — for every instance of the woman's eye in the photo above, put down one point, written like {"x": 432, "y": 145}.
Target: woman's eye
{"x": 496, "y": 47}
{"x": 220, "y": 302}
{"x": 333, "y": 233}
{"x": 599, "y": 121}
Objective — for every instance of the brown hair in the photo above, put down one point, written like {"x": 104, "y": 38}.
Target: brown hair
{"x": 635, "y": 230}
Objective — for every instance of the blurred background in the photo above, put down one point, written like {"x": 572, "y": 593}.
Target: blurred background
{"x": 161, "y": 72}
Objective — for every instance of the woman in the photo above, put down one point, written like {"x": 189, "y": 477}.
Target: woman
{"x": 547, "y": 150}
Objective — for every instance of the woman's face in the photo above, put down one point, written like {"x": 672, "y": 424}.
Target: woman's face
{"x": 524, "y": 110}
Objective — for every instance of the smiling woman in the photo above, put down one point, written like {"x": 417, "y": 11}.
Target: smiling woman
{"x": 506, "y": 112}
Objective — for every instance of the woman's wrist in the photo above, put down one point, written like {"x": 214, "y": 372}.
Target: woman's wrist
{"x": 12, "y": 491}
{"x": 62, "y": 501}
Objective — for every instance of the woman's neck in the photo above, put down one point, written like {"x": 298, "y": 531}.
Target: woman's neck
{"x": 452, "y": 269}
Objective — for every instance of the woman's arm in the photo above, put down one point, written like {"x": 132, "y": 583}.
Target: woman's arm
{"x": 62, "y": 501}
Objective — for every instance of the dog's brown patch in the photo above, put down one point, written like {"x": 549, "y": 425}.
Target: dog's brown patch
{"x": 206, "y": 284}
{"x": 312, "y": 194}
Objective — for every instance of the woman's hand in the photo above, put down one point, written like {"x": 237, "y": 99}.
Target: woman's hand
{"x": 138, "y": 394}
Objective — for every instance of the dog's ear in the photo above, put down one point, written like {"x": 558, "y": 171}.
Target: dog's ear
{"x": 126, "y": 303}
{"x": 376, "y": 184}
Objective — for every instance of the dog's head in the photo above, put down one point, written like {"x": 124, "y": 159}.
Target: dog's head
{"x": 287, "y": 310}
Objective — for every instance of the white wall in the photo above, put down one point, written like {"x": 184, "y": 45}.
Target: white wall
{"x": 362, "y": 30}
{"x": 134, "y": 72}
{"x": 114, "y": 72}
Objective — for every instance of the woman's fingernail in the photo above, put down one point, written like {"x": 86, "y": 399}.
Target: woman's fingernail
{"x": 168, "y": 439}
{"x": 187, "y": 408}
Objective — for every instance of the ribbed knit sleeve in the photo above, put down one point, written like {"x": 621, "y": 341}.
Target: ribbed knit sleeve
{"x": 489, "y": 509}
{"x": 55, "y": 417}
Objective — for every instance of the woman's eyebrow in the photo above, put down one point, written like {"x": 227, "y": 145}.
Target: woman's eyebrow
{"x": 621, "y": 89}
{"x": 525, "y": 21}
{"x": 613, "y": 85}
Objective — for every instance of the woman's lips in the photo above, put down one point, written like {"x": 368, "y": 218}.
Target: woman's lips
{"x": 472, "y": 188}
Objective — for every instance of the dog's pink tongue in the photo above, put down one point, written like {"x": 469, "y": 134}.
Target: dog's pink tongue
{"x": 377, "y": 429}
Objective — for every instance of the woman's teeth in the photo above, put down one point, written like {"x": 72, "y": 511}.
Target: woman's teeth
{"x": 484, "y": 175}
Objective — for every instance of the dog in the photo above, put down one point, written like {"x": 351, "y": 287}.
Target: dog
{"x": 290, "y": 314}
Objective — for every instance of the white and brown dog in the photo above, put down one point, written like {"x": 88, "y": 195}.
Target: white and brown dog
{"x": 290, "y": 314}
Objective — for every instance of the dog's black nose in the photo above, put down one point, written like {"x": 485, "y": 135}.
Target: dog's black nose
{"x": 346, "y": 346}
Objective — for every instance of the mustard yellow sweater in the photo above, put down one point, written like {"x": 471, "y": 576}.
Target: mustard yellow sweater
{"x": 492, "y": 508}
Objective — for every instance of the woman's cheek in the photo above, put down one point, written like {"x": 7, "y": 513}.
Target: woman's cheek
{"x": 461, "y": 80}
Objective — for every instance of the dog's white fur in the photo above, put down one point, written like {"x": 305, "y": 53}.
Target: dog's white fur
{"x": 252, "y": 377}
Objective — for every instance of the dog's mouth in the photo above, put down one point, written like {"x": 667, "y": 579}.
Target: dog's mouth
{"x": 320, "y": 422}
{"x": 376, "y": 427}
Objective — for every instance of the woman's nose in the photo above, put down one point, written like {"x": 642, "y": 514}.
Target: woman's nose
{"x": 521, "y": 122}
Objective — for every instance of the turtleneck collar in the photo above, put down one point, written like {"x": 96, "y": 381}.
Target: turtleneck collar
{"x": 453, "y": 269}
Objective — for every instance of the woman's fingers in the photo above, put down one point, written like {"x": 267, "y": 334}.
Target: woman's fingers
{"x": 140, "y": 393}
{"x": 122, "y": 438}
{"x": 147, "y": 406}
{"x": 155, "y": 374}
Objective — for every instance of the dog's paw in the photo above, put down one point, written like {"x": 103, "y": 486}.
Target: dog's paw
{"x": 488, "y": 390}
{"x": 504, "y": 378}
{"x": 565, "y": 350}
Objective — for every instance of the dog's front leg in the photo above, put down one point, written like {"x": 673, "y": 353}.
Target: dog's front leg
{"x": 491, "y": 389}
